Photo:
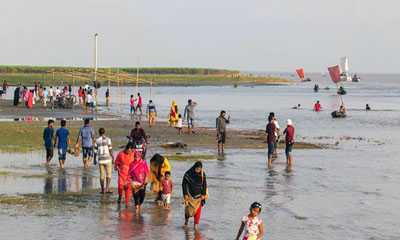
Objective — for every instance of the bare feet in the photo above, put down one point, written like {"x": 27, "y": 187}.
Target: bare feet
{"x": 196, "y": 226}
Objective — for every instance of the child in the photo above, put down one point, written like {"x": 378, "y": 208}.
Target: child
{"x": 252, "y": 224}
{"x": 132, "y": 105}
{"x": 179, "y": 124}
{"x": 166, "y": 185}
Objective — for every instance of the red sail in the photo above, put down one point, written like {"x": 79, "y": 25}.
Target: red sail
{"x": 300, "y": 72}
{"x": 335, "y": 73}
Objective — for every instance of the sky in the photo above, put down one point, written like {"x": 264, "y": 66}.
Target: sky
{"x": 247, "y": 35}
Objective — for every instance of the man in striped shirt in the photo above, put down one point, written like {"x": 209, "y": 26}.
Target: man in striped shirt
{"x": 103, "y": 149}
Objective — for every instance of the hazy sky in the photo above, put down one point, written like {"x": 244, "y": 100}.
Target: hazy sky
{"x": 263, "y": 35}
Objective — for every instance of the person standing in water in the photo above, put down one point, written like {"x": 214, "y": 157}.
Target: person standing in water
{"x": 289, "y": 139}
{"x": 132, "y": 100}
{"x": 317, "y": 107}
{"x": 49, "y": 137}
{"x": 277, "y": 134}
{"x": 194, "y": 187}
{"x": 189, "y": 115}
{"x": 367, "y": 107}
{"x": 221, "y": 122}
{"x": 139, "y": 104}
{"x": 138, "y": 175}
{"x": 103, "y": 149}
{"x": 63, "y": 143}
{"x": 86, "y": 134}
{"x": 122, "y": 164}
{"x": 167, "y": 187}
{"x": 252, "y": 224}
{"x": 270, "y": 130}
{"x": 108, "y": 98}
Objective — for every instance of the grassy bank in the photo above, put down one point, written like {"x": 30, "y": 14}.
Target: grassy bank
{"x": 28, "y": 75}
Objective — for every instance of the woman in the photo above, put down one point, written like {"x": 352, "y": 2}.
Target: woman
{"x": 158, "y": 166}
{"x": 26, "y": 95}
{"x": 173, "y": 115}
{"x": 194, "y": 186}
{"x": 138, "y": 174}
{"x": 30, "y": 99}
{"x": 122, "y": 164}
{"x": 16, "y": 96}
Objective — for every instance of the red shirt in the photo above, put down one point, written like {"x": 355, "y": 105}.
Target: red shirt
{"x": 289, "y": 131}
{"x": 317, "y": 107}
{"x": 166, "y": 186}
{"x": 80, "y": 92}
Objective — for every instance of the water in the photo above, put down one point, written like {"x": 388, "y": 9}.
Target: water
{"x": 351, "y": 192}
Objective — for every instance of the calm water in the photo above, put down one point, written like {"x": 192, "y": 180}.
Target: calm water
{"x": 352, "y": 192}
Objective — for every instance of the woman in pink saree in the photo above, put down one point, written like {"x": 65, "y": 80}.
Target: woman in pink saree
{"x": 138, "y": 174}
{"x": 26, "y": 96}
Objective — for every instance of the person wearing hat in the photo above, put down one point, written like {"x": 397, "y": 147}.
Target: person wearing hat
{"x": 289, "y": 139}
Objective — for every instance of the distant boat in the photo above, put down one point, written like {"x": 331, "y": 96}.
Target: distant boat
{"x": 344, "y": 68}
{"x": 323, "y": 74}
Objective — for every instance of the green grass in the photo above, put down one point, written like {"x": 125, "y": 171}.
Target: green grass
{"x": 183, "y": 158}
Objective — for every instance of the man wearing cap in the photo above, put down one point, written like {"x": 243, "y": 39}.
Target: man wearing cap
{"x": 289, "y": 139}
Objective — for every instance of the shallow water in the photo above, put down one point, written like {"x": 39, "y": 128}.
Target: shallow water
{"x": 351, "y": 192}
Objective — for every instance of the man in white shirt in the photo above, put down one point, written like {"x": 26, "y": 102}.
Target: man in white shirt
{"x": 51, "y": 97}
{"x": 103, "y": 149}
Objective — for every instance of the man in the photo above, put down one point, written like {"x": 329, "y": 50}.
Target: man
{"x": 189, "y": 115}
{"x": 151, "y": 113}
{"x": 51, "y": 97}
{"x": 139, "y": 105}
{"x": 270, "y": 130}
{"x": 221, "y": 122}
{"x": 289, "y": 139}
{"x": 86, "y": 134}
{"x": 62, "y": 142}
{"x": 277, "y": 134}
{"x": 317, "y": 107}
{"x": 138, "y": 134}
{"x": 108, "y": 98}
{"x": 103, "y": 149}
{"x": 44, "y": 99}
{"x": 49, "y": 137}
{"x": 89, "y": 101}
{"x": 58, "y": 92}
{"x": 80, "y": 95}
{"x": 86, "y": 86}
{"x": 5, "y": 86}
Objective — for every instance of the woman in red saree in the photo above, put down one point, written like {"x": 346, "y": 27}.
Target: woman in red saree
{"x": 30, "y": 99}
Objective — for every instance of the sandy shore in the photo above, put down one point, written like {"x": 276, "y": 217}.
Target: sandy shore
{"x": 118, "y": 129}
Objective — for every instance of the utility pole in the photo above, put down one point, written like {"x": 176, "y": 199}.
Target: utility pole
{"x": 95, "y": 69}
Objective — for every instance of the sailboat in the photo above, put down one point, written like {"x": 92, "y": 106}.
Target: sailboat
{"x": 334, "y": 72}
{"x": 344, "y": 68}
{"x": 300, "y": 72}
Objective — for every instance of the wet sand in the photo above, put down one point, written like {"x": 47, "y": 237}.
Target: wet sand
{"x": 118, "y": 127}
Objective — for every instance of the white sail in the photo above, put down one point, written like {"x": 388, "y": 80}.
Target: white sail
{"x": 344, "y": 65}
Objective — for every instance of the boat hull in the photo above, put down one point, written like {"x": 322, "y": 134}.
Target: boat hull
{"x": 337, "y": 114}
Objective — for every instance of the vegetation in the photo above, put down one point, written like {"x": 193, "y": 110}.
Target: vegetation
{"x": 68, "y": 75}
{"x": 182, "y": 158}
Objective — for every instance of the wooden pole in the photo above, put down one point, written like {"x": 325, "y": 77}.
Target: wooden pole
{"x": 95, "y": 69}
{"x": 52, "y": 81}
{"x": 122, "y": 94}
{"x": 108, "y": 103}
{"x": 62, "y": 81}
{"x": 73, "y": 88}
{"x": 117, "y": 89}
{"x": 137, "y": 76}
{"x": 151, "y": 84}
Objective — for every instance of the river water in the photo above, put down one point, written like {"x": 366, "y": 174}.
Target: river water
{"x": 351, "y": 191}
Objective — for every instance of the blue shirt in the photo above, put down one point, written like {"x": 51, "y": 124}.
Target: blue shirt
{"x": 62, "y": 135}
{"x": 48, "y": 137}
{"x": 87, "y": 134}
{"x": 44, "y": 94}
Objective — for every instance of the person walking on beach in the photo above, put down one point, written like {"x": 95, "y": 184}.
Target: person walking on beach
{"x": 108, "y": 98}
{"x": 103, "y": 150}
{"x": 49, "y": 139}
{"x": 289, "y": 139}
{"x": 51, "y": 97}
{"x": 159, "y": 165}
{"x": 86, "y": 135}
{"x": 80, "y": 95}
{"x": 122, "y": 164}
{"x": 16, "y": 96}
{"x": 252, "y": 224}
{"x": 30, "y": 99}
{"x": 317, "y": 107}
{"x": 139, "y": 104}
{"x": 132, "y": 100}
{"x": 179, "y": 124}
{"x": 90, "y": 101}
{"x": 45, "y": 96}
{"x": 36, "y": 88}
{"x": 63, "y": 143}
{"x": 5, "y": 86}
{"x": 189, "y": 115}
{"x": 138, "y": 175}
{"x": 221, "y": 122}
{"x": 166, "y": 187}
{"x": 194, "y": 187}
{"x": 151, "y": 113}
{"x": 173, "y": 114}
{"x": 270, "y": 130}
